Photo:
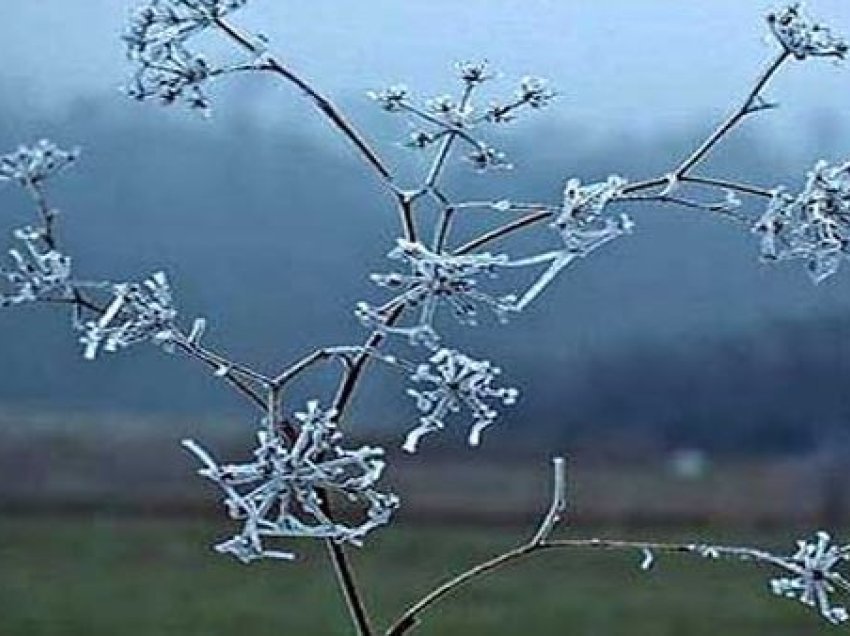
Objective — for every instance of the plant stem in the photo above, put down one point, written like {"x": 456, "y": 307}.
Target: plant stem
{"x": 325, "y": 106}
{"x": 410, "y": 618}
{"x": 730, "y": 122}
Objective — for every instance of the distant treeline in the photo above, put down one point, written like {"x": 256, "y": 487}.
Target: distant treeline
{"x": 676, "y": 336}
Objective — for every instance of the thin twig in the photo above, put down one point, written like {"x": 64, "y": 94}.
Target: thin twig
{"x": 541, "y": 542}
{"x": 740, "y": 113}
{"x": 409, "y": 618}
{"x": 523, "y": 222}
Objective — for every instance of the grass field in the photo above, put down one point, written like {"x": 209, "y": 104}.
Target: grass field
{"x": 133, "y": 576}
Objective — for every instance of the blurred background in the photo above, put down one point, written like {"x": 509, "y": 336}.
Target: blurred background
{"x": 698, "y": 392}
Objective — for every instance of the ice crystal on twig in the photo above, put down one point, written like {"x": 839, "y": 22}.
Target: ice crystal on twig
{"x": 391, "y": 99}
{"x": 283, "y": 492}
{"x": 440, "y": 278}
{"x": 136, "y": 312}
{"x": 583, "y": 226}
{"x": 814, "y": 225}
{"x": 38, "y": 271}
{"x": 30, "y": 165}
{"x": 802, "y": 37}
{"x": 814, "y": 577}
{"x": 447, "y": 118}
{"x": 456, "y": 381}
{"x": 486, "y": 158}
{"x": 157, "y": 41}
{"x": 474, "y": 73}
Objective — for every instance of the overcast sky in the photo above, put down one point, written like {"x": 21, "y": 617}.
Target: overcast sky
{"x": 624, "y": 63}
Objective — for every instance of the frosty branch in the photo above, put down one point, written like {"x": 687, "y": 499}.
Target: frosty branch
{"x": 301, "y": 465}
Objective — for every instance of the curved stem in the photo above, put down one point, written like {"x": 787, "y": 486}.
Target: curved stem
{"x": 410, "y": 618}
{"x": 325, "y": 106}
{"x": 523, "y": 222}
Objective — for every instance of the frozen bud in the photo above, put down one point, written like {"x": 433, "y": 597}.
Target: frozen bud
{"x": 435, "y": 280}
{"x": 485, "y": 158}
{"x": 30, "y": 165}
{"x": 392, "y": 99}
{"x": 474, "y": 73}
{"x": 535, "y": 92}
{"x": 442, "y": 105}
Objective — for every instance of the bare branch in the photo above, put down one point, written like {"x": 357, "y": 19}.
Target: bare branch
{"x": 743, "y": 110}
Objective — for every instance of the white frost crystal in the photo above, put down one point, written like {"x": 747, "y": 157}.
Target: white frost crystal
{"x": 282, "y": 493}
{"x": 814, "y": 225}
{"x": 584, "y": 225}
{"x": 814, "y": 577}
{"x": 136, "y": 313}
{"x": 38, "y": 271}
{"x": 802, "y": 37}
{"x": 458, "y": 118}
{"x": 456, "y": 381}
{"x": 436, "y": 279}
{"x": 30, "y": 165}
{"x": 157, "y": 41}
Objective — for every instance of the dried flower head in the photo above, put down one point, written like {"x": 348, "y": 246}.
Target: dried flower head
{"x": 814, "y": 225}
{"x": 30, "y": 165}
{"x": 136, "y": 313}
{"x": 814, "y": 577}
{"x": 536, "y": 92}
{"x": 38, "y": 271}
{"x": 391, "y": 99}
{"x": 802, "y": 37}
{"x": 457, "y": 381}
{"x": 436, "y": 279}
{"x": 474, "y": 73}
{"x": 282, "y": 493}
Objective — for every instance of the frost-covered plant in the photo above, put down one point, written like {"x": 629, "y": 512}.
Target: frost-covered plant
{"x": 283, "y": 492}
{"x": 814, "y": 225}
{"x": 301, "y": 471}
{"x": 456, "y": 381}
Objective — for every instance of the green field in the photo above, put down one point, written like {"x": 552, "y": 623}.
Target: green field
{"x": 100, "y": 576}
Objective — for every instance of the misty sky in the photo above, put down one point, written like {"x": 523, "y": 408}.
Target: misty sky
{"x": 620, "y": 63}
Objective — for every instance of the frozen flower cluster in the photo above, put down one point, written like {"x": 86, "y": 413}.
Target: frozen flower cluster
{"x": 283, "y": 492}
{"x": 802, "y": 37}
{"x": 436, "y": 279}
{"x": 136, "y": 313}
{"x": 31, "y": 165}
{"x": 456, "y": 381}
{"x": 814, "y": 225}
{"x": 446, "y": 118}
{"x": 157, "y": 41}
{"x": 584, "y": 224}
{"x": 38, "y": 271}
{"x": 813, "y": 576}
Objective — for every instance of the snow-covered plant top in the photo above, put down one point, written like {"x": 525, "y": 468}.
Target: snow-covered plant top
{"x": 301, "y": 470}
